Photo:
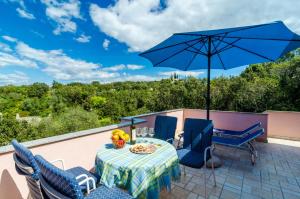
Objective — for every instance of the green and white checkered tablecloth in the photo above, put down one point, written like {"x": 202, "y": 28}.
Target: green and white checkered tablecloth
{"x": 142, "y": 175}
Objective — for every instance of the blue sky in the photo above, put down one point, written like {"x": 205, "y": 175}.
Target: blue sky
{"x": 72, "y": 40}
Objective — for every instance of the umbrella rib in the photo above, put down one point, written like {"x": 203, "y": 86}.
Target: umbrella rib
{"x": 220, "y": 42}
{"x": 219, "y": 56}
{"x": 199, "y": 50}
{"x": 191, "y": 47}
{"x": 267, "y": 39}
{"x": 175, "y": 54}
{"x": 195, "y": 55}
{"x": 150, "y": 51}
{"x": 200, "y": 53}
{"x": 249, "y": 51}
{"x": 225, "y": 47}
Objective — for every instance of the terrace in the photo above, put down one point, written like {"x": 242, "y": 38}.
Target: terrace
{"x": 275, "y": 175}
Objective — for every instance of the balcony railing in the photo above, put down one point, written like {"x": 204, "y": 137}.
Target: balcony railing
{"x": 79, "y": 148}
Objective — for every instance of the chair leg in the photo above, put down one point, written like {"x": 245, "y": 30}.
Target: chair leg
{"x": 213, "y": 170}
{"x": 205, "y": 194}
{"x": 184, "y": 173}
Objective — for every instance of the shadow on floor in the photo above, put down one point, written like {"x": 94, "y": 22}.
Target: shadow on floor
{"x": 8, "y": 187}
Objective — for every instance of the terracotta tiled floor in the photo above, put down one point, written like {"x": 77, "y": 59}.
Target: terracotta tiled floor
{"x": 275, "y": 175}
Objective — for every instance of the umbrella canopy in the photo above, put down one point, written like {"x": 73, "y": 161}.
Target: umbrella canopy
{"x": 223, "y": 48}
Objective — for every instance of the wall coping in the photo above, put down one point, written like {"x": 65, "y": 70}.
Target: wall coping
{"x": 68, "y": 136}
{"x": 274, "y": 111}
{"x": 152, "y": 113}
{"x": 263, "y": 113}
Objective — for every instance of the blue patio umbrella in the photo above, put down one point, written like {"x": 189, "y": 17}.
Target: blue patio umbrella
{"x": 223, "y": 48}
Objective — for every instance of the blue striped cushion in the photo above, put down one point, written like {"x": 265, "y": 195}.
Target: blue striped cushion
{"x": 108, "y": 193}
{"x": 76, "y": 171}
{"x": 62, "y": 181}
{"x": 26, "y": 157}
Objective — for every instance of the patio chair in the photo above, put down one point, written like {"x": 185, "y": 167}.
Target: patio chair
{"x": 59, "y": 184}
{"x": 26, "y": 165}
{"x": 244, "y": 141}
{"x": 165, "y": 128}
{"x": 25, "y": 162}
{"x": 225, "y": 132}
{"x": 197, "y": 145}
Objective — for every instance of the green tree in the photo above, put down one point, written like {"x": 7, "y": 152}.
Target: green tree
{"x": 37, "y": 90}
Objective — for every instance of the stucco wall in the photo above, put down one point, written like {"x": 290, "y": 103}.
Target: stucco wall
{"x": 284, "y": 124}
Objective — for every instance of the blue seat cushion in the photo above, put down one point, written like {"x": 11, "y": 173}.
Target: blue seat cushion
{"x": 76, "y": 171}
{"x": 104, "y": 192}
{"x": 190, "y": 158}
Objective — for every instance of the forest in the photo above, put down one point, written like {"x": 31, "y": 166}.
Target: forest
{"x": 71, "y": 107}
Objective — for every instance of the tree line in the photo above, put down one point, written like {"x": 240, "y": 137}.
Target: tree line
{"x": 76, "y": 106}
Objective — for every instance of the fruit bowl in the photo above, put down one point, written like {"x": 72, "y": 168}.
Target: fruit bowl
{"x": 119, "y": 138}
{"x": 119, "y": 144}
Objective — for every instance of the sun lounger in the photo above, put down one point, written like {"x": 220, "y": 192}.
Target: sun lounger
{"x": 225, "y": 132}
{"x": 244, "y": 140}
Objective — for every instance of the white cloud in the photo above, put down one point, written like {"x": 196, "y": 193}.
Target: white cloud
{"x": 105, "y": 44}
{"x": 9, "y": 38}
{"x": 16, "y": 78}
{"x": 63, "y": 13}
{"x": 60, "y": 66}
{"x": 9, "y": 59}
{"x": 123, "y": 67}
{"x": 83, "y": 38}
{"x": 142, "y": 24}
{"x": 182, "y": 73}
{"x": 5, "y": 48}
{"x": 134, "y": 67}
{"x": 53, "y": 62}
{"x": 24, "y": 14}
{"x": 115, "y": 68}
{"x": 137, "y": 78}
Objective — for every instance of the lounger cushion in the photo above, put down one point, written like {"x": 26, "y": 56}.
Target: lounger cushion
{"x": 76, "y": 171}
{"x": 238, "y": 141}
{"x": 190, "y": 158}
{"x": 103, "y": 192}
{"x": 237, "y": 133}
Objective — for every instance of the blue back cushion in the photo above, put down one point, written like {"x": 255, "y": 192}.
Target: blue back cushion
{"x": 26, "y": 157}
{"x": 256, "y": 125}
{"x": 197, "y": 134}
{"x": 60, "y": 180}
{"x": 165, "y": 127}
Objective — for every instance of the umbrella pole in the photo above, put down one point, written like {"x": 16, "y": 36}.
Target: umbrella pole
{"x": 208, "y": 78}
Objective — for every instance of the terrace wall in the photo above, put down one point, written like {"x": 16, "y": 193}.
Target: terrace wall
{"x": 284, "y": 124}
{"x": 80, "y": 148}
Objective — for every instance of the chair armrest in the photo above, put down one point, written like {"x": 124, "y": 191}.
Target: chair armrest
{"x": 180, "y": 135}
{"x": 208, "y": 127}
{"x": 61, "y": 162}
{"x": 87, "y": 180}
{"x": 81, "y": 176}
{"x": 170, "y": 139}
{"x": 210, "y": 148}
